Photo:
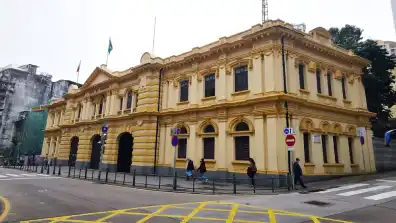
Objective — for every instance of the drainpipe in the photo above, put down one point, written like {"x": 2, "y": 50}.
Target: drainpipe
{"x": 157, "y": 126}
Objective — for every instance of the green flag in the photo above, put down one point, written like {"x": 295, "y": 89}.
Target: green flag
{"x": 110, "y": 47}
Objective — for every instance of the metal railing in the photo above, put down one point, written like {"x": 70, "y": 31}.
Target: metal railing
{"x": 264, "y": 184}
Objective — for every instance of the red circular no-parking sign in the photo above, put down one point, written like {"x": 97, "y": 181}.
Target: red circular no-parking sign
{"x": 290, "y": 140}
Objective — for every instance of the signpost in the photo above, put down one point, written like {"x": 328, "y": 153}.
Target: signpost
{"x": 103, "y": 138}
{"x": 175, "y": 142}
{"x": 290, "y": 141}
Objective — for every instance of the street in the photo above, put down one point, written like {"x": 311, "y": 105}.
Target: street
{"x": 36, "y": 197}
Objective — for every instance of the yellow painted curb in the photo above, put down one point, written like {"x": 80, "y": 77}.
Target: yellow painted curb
{"x": 6, "y": 208}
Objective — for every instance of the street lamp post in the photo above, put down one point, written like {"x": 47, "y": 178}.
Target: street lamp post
{"x": 289, "y": 153}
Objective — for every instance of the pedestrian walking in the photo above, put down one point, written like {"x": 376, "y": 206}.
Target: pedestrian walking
{"x": 202, "y": 170}
{"x": 252, "y": 170}
{"x": 298, "y": 174}
{"x": 189, "y": 169}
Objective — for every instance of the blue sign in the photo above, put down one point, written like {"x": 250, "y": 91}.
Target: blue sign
{"x": 104, "y": 129}
{"x": 362, "y": 140}
{"x": 286, "y": 131}
{"x": 175, "y": 141}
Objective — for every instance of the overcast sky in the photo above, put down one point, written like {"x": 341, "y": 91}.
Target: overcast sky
{"x": 57, "y": 34}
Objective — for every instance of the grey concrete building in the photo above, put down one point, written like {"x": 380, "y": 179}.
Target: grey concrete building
{"x": 22, "y": 87}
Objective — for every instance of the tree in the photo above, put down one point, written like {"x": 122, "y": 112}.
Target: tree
{"x": 377, "y": 77}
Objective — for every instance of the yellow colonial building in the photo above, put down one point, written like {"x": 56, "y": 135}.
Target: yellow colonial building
{"x": 228, "y": 99}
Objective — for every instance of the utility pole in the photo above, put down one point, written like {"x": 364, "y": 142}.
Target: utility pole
{"x": 264, "y": 12}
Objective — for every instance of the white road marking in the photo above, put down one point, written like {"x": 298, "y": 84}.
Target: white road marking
{"x": 382, "y": 196}
{"x": 31, "y": 178}
{"x": 361, "y": 191}
{"x": 45, "y": 175}
{"x": 29, "y": 174}
{"x": 388, "y": 181}
{"x": 2, "y": 176}
{"x": 12, "y": 175}
{"x": 342, "y": 188}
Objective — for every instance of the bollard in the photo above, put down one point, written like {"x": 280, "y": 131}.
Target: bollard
{"x": 234, "y": 182}
{"x": 134, "y": 177}
{"x": 272, "y": 185}
{"x": 123, "y": 181}
{"x": 254, "y": 186}
{"x": 115, "y": 178}
{"x": 107, "y": 174}
{"x": 53, "y": 172}
{"x": 79, "y": 174}
{"x": 159, "y": 182}
{"x": 59, "y": 170}
{"x": 48, "y": 170}
{"x": 74, "y": 172}
{"x": 93, "y": 171}
{"x": 193, "y": 184}
{"x": 42, "y": 169}
{"x": 68, "y": 175}
{"x": 86, "y": 172}
{"x": 145, "y": 182}
{"x": 175, "y": 181}
{"x": 213, "y": 185}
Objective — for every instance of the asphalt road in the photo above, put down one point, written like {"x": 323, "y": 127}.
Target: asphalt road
{"x": 31, "y": 197}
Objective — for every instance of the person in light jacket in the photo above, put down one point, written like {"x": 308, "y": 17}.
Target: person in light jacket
{"x": 189, "y": 169}
{"x": 202, "y": 170}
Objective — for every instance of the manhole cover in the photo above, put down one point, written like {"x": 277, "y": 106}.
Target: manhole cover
{"x": 318, "y": 203}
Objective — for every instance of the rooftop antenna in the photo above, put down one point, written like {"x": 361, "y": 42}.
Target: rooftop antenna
{"x": 155, "y": 21}
{"x": 264, "y": 10}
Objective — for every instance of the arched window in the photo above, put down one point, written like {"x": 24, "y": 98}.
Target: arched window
{"x": 242, "y": 145}
{"x": 209, "y": 129}
{"x": 182, "y": 146}
{"x": 242, "y": 126}
{"x": 79, "y": 112}
{"x": 209, "y": 143}
{"x": 129, "y": 100}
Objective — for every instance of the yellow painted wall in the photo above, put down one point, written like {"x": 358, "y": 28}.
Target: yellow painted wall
{"x": 261, "y": 106}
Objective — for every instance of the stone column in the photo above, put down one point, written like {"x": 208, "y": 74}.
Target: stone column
{"x": 108, "y": 103}
{"x": 113, "y": 109}
{"x": 272, "y": 142}
{"x": 259, "y": 144}
{"x": 221, "y": 152}
{"x": 193, "y": 96}
{"x": 343, "y": 151}
{"x": 256, "y": 77}
{"x": 221, "y": 84}
{"x": 84, "y": 110}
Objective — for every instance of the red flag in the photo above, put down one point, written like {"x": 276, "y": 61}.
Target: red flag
{"x": 78, "y": 68}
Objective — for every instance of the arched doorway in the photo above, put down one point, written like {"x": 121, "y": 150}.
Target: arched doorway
{"x": 95, "y": 152}
{"x": 73, "y": 150}
{"x": 125, "y": 143}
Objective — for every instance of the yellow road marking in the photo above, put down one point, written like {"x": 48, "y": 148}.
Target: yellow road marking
{"x": 272, "y": 213}
{"x": 194, "y": 212}
{"x": 6, "y": 204}
{"x": 271, "y": 216}
{"x": 232, "y": 214}
{"x": 153, "y": 214}
{"x": 315, "y": 219}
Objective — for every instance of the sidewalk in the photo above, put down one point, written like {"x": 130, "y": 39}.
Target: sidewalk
{"x": 165, "y": 183}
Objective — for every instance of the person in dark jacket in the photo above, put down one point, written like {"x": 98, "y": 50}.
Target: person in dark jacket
{"x": 298, "y": 174}
{"x": 190, "y": 168}
{"x": 252, "y": 170}
{"x": 202, "y": 170}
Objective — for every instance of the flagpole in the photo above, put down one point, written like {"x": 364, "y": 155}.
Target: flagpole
{"x": 78, "y": 74}
{"x": 107, "y": 59}
{"x": 155, "y": 21}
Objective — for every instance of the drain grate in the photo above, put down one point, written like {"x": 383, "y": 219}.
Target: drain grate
{"x": 318, "y": 203}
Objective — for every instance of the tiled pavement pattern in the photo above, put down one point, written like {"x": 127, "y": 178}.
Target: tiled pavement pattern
{"x": 209, "y": 211}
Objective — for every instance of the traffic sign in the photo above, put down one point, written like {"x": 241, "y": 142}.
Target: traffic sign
{"x": 175, "y": 141}
{"x": 104, "y": 129}
{"x": 290, "y": 140}
{"x": 362, "y": 140}
{"x": 288, "y": 131}
{"x": 175, "y": 131}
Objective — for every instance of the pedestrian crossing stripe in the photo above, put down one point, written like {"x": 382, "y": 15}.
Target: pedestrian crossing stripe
{"x": 12, "y": 175}
{"x": 348, "y": 187}
{"x": 361, "y": 191}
